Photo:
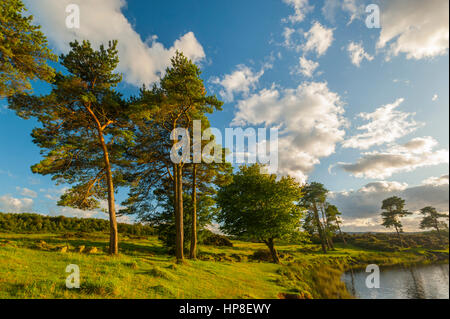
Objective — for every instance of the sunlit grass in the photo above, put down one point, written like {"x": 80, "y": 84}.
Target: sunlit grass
{"x": 33, "y": 266}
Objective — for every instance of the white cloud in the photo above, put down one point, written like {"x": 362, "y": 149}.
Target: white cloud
{"x": 301, "y": 8}
{"x": 10, "y": 204}
{"x": 287, "y": 35}
{"x": 357, "y": 53}
{"x": 318, "y": 39}
{"x": 418, "y": 152}
{"x": 361, "y": 209}
{"x": 383, "y": 186}
{"x": 242, "y": 80}
{"x": 26, "y": 192}
{"x": 306, "y": 67}
{"x": 385, "y": 125}
{"x": 406, "y": 82}
{"x": 310, "y": 118}
{"x": 436, "y": 181}
{"x": 435, "y": 98}
{"x": 102, "y": 20}
{"x": 349, "y": 6}
{"x": 417, "y": 28}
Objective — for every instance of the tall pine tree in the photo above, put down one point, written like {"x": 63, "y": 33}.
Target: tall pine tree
{"x": 83, "y": 133}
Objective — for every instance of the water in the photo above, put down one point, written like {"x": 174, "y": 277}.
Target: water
{"x": 421, "y": 282}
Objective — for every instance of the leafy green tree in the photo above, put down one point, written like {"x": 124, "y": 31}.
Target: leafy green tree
{"x": 314, "y": 202}
{"x": 431, "y": 219}
{"x": 83, "y": 133}
{"x": 394, "y": 209}
{"x": 23, "y": 50}
{"x": 258, "y": 206}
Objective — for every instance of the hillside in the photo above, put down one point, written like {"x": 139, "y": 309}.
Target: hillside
{"x": 33, "y": 266}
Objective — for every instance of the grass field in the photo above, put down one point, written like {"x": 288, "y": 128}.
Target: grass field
{"x": 33, "y": 266}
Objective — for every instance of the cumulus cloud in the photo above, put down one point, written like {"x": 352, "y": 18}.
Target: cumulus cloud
{"x": 318, "y": 39}
{"x": 436, "y": 181}
{"x": 242, "y": 80}
{"x": 385, "y": 125}
{"x": 351, "y": 7}
{"x": 301, "y": 8}
{"x": 26, "y": 192}
{"x": 310, "y": 118}
{"x": 287, "y": 35}
{"x": 383, "y": 186}
{"x": 102, "y": 20}
{"x": 361, "y": 208}
{"x": 416, "y": 153}
{"x": 10, "y": 204}
{"x": 306, "y": 67}
{"x": 49, "y": 207}
{"x": 357, "y": 53}
{"x": 419, "y": 29}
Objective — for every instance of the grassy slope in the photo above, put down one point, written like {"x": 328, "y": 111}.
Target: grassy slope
{"x": 29, "y": 269}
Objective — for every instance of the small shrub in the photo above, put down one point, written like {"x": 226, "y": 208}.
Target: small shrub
{"x": 161, "y": 291}
{"x": 216, "y": 240}
{"x": 160, "y": 273}
{"x": 101, "y": 288}
{"x": 132, "y": 265}
{"x": 262, "y": 255}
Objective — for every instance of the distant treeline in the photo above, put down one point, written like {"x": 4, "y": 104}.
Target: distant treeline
{"x": 34, "y": 223}
{"x": 391, "y": 242}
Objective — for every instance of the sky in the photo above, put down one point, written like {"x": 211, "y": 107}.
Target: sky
{"x": 363, "y": 110}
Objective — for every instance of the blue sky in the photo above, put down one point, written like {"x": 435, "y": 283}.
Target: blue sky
{"x": 310, "y": 67}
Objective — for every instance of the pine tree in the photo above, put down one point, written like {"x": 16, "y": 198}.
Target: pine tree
{"x": 179, "y": 99}
{"x": 431, "y": 219}
{"x": 23, "y": 50}
{"x": 83, "y": 133}
{"x": 314, "y": 200}
{"x": 394, "y": 209}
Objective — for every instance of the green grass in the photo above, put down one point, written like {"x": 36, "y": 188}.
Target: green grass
{"x": 33, "y": 266}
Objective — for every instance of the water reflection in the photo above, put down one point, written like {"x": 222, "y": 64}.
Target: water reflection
{"x": 422, "y": 282}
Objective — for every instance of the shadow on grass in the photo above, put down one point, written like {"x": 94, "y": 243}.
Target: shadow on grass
{"x": 52, "y": 243}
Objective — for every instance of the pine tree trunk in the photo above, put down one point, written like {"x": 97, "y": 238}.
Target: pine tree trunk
{"x": 399, "y": 237}
{"x": 175, "y": 190}
{"x": 437, "y": 229}
{"x": 441, "y": 239}
{"x": 179, "y": 216}
{"x": 113, "y": 233}
{"x": 342, "y": 235}
{"x": 330, "y": 242}
{"x": 175, "y": 203}
{"x": 273, "y": 251}
{"x": 321, "y": 233}
{"x": 193, "y": 251}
